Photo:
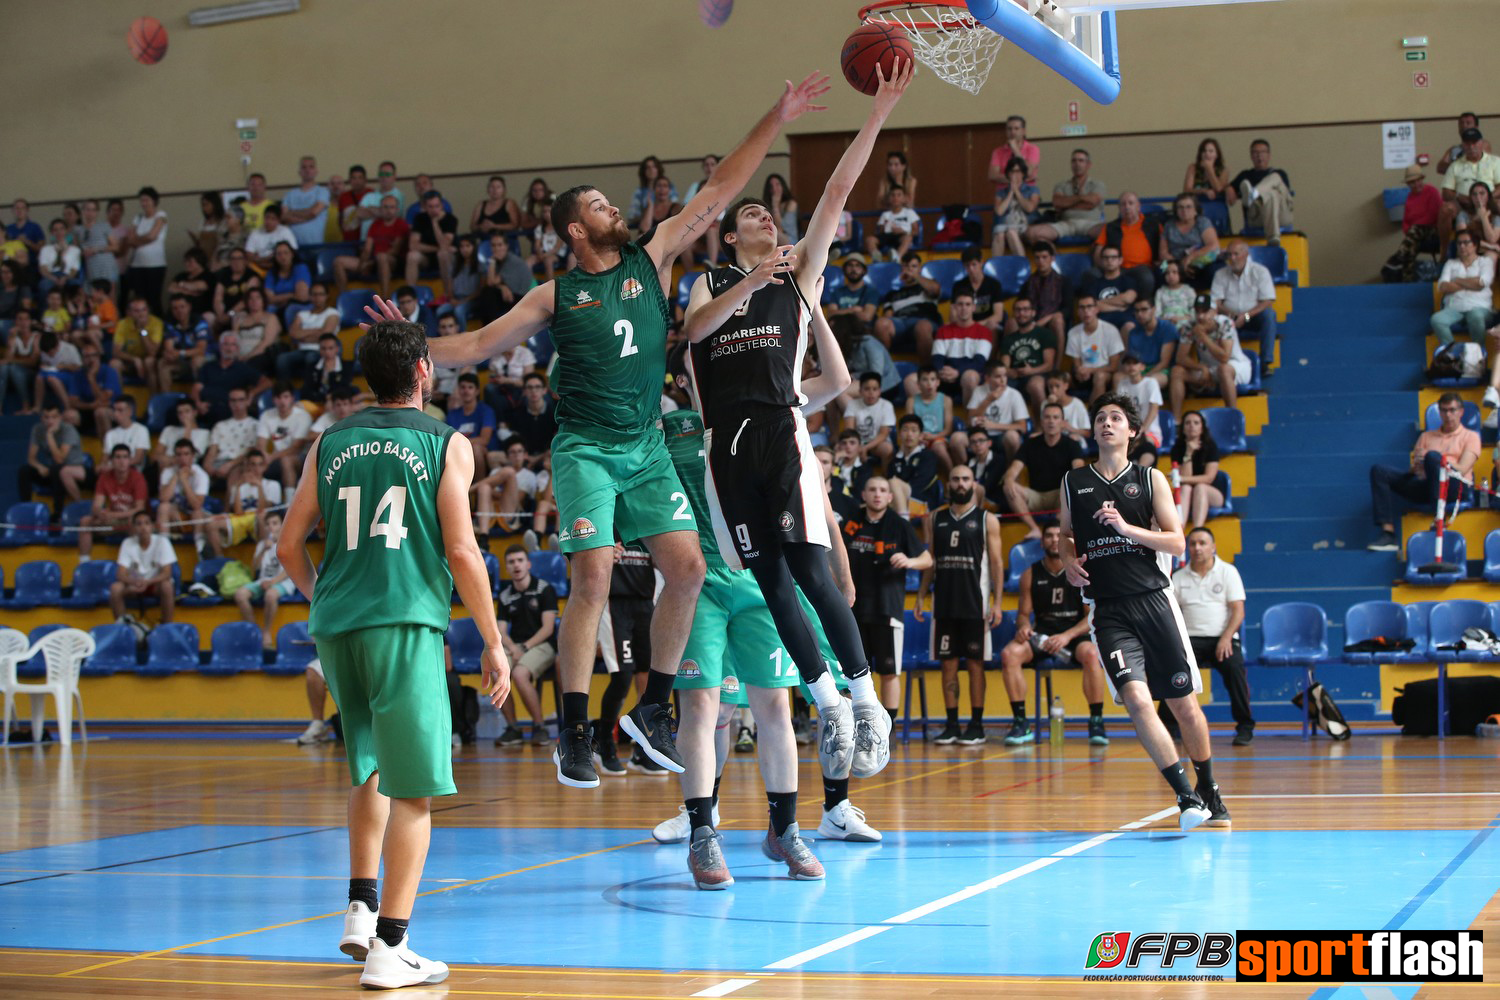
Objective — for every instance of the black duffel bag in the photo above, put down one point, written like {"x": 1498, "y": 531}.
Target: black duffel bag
{"x": 1471, "y": 700}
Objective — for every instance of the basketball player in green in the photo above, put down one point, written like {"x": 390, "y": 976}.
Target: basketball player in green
{"x": 610, "y": 470}
{"x": 391, "y": 486}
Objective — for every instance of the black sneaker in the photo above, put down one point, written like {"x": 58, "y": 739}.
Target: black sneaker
{"x": 745, "y": 742}
{"x": 948, "y": 736}
{"x": 574, "y": 756}
{"x": 973, "y": 734}
{"x": 653, "y": 729}
{"x": 1387, "y": 542}
{"x": 1243, "y": 737}
{"x": 802, "y": 729}
{"x": 1218, "y": 812}
{"x": 1020, "y": 733}
{"x": 1097, "y": 735}
{"x": 1193, "y": 812}
{"x": 642, "y": 764}
{"x": 510, "y": 738}
{"x": 606, "y": 758}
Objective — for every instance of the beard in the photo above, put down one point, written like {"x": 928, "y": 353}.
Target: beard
{"x": 613, "y": 238}
{"x": 961, "y": 497}
{"x": 427, "y": 384}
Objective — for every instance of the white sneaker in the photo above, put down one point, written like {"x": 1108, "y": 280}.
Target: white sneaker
{"x": 1491, "y": 398}
{"x": 676, "y": 829}
{"x": 388, "y": 968}
{"x": 359, "y": 928}
{"x": 847, "y": 822}
{"x": 1248, "y": 192}
{"x": 313, "y": 733}
{"x": 872, "y": 745}
{"x": 836, "y": 739}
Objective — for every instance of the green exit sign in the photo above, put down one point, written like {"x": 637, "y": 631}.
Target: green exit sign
{"x": 248, "y": 134}
{"x": 1418, "y": 56}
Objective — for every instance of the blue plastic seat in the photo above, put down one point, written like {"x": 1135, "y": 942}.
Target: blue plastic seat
{"x": 1168, "y": 429}
{"x": 1446, "y": 627}
{"x": 234, "y": 647}
{"x": 37, "y": 584}
{"x": 833, "y": 279}
{"x": 465, "y": 645}
{"x": 1002, "y": 634}
{"x": 1227, "y": 425}
{"x": 1456, "y": 382}
{"x": 1073, "y": 266}
{"x": 1217, "y": 213}
{"x": 206, "y": 573}
{"x": 1370, "y": 620}
{"x": 162, "y": 410}
{"x": 685, "y": 287}
{"x": 1273, "y": 259}
{"x": 552, "y": 567}
{"x": 883, "y": 276}
{"x": 72, "y": 517}
{"x": 114, "y": 651}
{"x": 1421, "y": 550}
{"x": 1022, "y": 555}
{"x": 1254, "y": 384}
{"x": 1492, "y": 557}
{"x": 492, "y": 570}
{"x": 294, "y": 650}
{"x": 351, "y": 307}
{"x": 293, "y": 310}
{"x": 1432, "y": 419}
{"x": 171, "y": 649}
{"x": 91, "y": 582}
{"x": 323, "y": 264}
{"x": 29, "y": 521}
{"x": 541, "y": 345}
{"x": 1418, "y": 617}
{"x": 916, "y": 657}
{"x": 945, "y": 272}
{"x": 1223, "y": 485}
{"x": 1295, "y": 634}
{"x": 1011, "y": 272}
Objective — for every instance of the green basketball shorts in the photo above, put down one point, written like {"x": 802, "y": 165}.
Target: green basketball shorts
{"x": 607, "y": 487}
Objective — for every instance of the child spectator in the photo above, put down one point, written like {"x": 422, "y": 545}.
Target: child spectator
{"x": 182, "y": 489}
{"x": 895, "y": 229}
{"x": 271, "y": 583}
{"x": 57, "y": 363}
{"x": 145, "y": 569}
{"x": 283, "y": 432}
{"x": 873, "y": 418}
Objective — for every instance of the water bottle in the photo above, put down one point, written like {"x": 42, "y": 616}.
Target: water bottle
{"x": 1056, "y": 716}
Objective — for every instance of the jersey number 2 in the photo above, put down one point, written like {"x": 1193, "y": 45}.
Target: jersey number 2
{"x": 624, "y": 329}
{"x": 393, "y": 529}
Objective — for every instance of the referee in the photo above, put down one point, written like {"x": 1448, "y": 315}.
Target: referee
{"x": 1212, "y": 598}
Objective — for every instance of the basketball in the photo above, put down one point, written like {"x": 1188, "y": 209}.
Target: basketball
{"x": 873, "y": 44}
{"x": 147, "y": 40}
{"x": 714, "y": 12}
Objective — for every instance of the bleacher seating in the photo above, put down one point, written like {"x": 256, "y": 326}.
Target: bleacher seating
{"x": 36, "y": 584}
{"x": 234, "y": 648}
{"x": 162, "y": 410}
{"x": 1011, "y": 272}
{"x": 1227, "y": 425}
{"x": 1421, "y": 550}
{"x": 465, "y": 645}
{"x": 1020, "y": 558}
{"x": 171, "y": 648}
{"x": 1371, "y": 620}
{"x": 294, "y": 650}
{"x": 114, "y": 651}
{"x": 945, "y": 272}
{"x": 552, "y": 567}
{"x": 1432, "y": 420}
{"x": 1446, "y": 627}
{"x": 91, "y": 580}
{"x": 1492, "y": 557}
{"x": 1295, "y": 634}
{"x": 28, "y": 524}
{"x": 72, "y": 517}
{"x": 205, "y": 572}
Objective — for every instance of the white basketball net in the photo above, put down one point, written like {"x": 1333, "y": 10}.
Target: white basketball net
{"x": 947, "y": 40}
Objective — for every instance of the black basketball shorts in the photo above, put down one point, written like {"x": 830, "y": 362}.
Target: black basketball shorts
{"x": 1142, "y": 638}
{"x": 765, "y": 488}
{"x": 960, "y": 639}
{"x": 883, "y": 642}
{"x": 625, "y": 635}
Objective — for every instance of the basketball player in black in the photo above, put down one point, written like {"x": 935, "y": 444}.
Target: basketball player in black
{"x": 1061, "y": 629}
{"x": 748, "y": 326}
{"x": 625, "y": 644}
{"x": 966, "y": 569}
{"x": 1119, "y": 528}
{"x": 882, "y": 547}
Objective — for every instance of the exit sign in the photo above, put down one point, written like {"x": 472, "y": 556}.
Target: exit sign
{"x": 1075, "y": 130}
{"x": 1418, "y": 55}
{"x": 1414, "y": 42}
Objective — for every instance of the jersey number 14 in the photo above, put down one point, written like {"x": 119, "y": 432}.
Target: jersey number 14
{"x": 394, "y": 500}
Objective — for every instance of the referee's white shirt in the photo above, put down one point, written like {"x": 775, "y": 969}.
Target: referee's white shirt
{"x": 1205, "y": 599}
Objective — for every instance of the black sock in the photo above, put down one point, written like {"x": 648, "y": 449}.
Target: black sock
{"x": 716, "y": 788}
{"x": 892, "y": 713}
{"x": 783, "y": 807}
{"x": 367, "y": 891}
{"x": 611, "y": 703}
{"x": 658, "y": 688}
{"x": 978, "y": 716}
{"x": 390, "y": 930}
{"x": 1177, "y": 777}
{"x": 1096, "y": 709}
{"x": 953, "y": 716}
{"x": 1018, "y": 709}
{"x": 700, "y": 812}
{"x": 1205, "y": 769}
{"x": 835, "y": 790}
{"x": 575, "y": 708}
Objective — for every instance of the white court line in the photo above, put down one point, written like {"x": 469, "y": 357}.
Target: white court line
{"x": 1370, "y": 795}
{"x": 725, "y": 988}
{"x": 926, "y": 909}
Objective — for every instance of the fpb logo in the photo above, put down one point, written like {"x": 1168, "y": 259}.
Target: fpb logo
{"x": 1106, "y": 951}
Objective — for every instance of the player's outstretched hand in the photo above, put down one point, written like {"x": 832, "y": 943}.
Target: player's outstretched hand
{"x": 382, "y": 310}
{"x": 781, "y": 261}
{"x": 1077, "y": 575}
{"x": 496, "y": 674}
{"x": 798, "y": 100}
{"x": 890, "y": 91}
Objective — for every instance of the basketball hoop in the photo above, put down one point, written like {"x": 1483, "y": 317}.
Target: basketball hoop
{"x": 944, "y": 37}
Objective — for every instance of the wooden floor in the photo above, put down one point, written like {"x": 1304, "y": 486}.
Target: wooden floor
{"x": 51, "y": 797}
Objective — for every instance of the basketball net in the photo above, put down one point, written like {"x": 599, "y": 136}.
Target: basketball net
{"x": 945, "y": 38}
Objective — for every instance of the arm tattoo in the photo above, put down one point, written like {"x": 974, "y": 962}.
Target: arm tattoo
{"x": 702, "y": 217}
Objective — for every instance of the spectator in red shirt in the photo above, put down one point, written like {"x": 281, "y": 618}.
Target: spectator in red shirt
{"x": 1419, "y": 227}
{"x": 348, "y": 203}
{"x": 383, "y": 245}
{"x": 119, "y": 495}
{"x": 962, "y": 348}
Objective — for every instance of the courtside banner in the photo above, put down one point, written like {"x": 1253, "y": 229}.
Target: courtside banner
{"x": 1359, "y": 956}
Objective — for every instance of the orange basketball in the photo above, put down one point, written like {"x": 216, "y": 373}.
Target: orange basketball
{"x": 872, "y": 44}
{"x": 147, "y": 40}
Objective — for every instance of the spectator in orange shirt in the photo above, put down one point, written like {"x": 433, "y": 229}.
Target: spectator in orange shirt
{"x": 103, "y": 314}
{"x": 1392, "y": 489}
{"x": 1137, "y": 238}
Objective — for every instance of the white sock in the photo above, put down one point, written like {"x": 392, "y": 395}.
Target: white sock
{"x": 825, "y": 692}
{"x": 862, "y": 688}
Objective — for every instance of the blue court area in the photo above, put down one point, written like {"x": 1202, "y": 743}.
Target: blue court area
{"x": 1015, "y": 904}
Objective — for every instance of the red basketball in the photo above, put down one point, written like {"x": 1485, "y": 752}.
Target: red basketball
{"x": 147, "y": 40}
{"x": 871, "y": 45}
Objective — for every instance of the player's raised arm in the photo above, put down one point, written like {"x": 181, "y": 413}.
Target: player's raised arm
{"x": 527, "y": 317}
{"x": 812, "y": 251}
{"x": 734, "y": 171}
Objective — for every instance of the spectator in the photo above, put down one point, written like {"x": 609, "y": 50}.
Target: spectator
{"x": 120, "y": 233}
{"x": 185, "y": 343}
{"x": 988, "y": 467}
{"x": 1016, "y": 204}
{"x": 1419, "y": 233}
{"x": 1094, "y": 344}
{"x": 372, "y": 202}
{"x": 549, "y": 251}
{"x": 1393, "y": 489}
{"x": 384, "y": 243}
{"x": 783, "y": 207}
{"x": 496, "y": 213}
{"x": 1245, "y": 293}
{"x": 137, "y": 343}
{"x": 129, "y": 432}
{"x": 468, "y": 279}
{"x": 915, "y": 472}
{"x": 1152, "y": 341}
{"x": 59, "y": 261}
{"x": 24, "y": 228}
{"x": 508, "y": 371}
{"x": 98, "y": 246}
{"x": 1207, "y": 177}
{"x": 234, "y": 234}
{"x": 433, "y": 233}
{"x": 258, "y": 330}
{"x": 13, "y": 294}
{"x": 909, "y": 312}
{"x": 420, "y": 185}
{"x": 1113, "y": 290}
{"x": 1028, "y": 352}
{"x": 55, "y": 459}
{"x": 217, "y": 380}
{"x": 1209, "y": 355}
{"x": 856, "y": 297}
{"x": 261, "y": 242}
{"x": 230, "y": 286}
{"x": 1139, "y": 241}
{"x": 1197, "y": 457}
{"x": 195, "y": 281}
{"x": 57, "y": 363}
{"x": 850, "y": 472}
{"x": 1484, "y": 222}
{"x": 306, "y": 331}
{"x": 346, "y": 205}
{"x": 1078, "y": 202}
{"x": 72, "y": 217}
{"x": 986, "y": 291}
{"x": 935, "y": 411}
{"x": 647, "y": 173}
{"x": 897, "y": 175}
{"x": 1174, "y": 300}
{"x": 210, "y": 231}
{"x": 1211, "y": 595}
{"x": 1045, "y": 457}
{"x": 962, "y": 348}
{"x": 1476, "y": 164}
{"x": 473, "y": 419}
{"x": 231, "y": 438}
{"x": 873, "y": 418}
{"x": 535, "y": 422}
{"x": 305, "y": 207}
{"x": 249, "y": 501}
{"x": 1190, "y": 239}
{"x": 119, "y": 495}
{"x": 283, "y": 432}
{"x": 271, "y": 584}
{"x": 342, "y": 401}
{"x": 148, "y": 241}
{"x": 1266, "y": 192}
{"x": 186, "y": 428}
{"x": 844, "y": 505}
{"x": 22, "y": 355}
{"x": 1466, "y": 120}
{"x": 1465, "y": 287}
{"x": 506, "y": 280}
{"x": 145, "y": 570}
{"x": 997, "y": 409}
{"x": 55, "y": 316}
{"x": 287, "y": 279}
{"x": 182, "y": 488}
{"x": 1048, "y": 292}
{"x": 1076, "y": 421}
{"x": 95, "y": 388}
{"x": 328, "y": 372}
{"x": 1016, "y": 146}
{"x": 254, "y": 207}
{"x": 1146, "y": 392}
{"x": 862, "y": 353}
{"x": 662, "y": 206}
{"x": 518, "y": 486}
{"x": 895, "y": 230}
{"x": 528, "y": 620}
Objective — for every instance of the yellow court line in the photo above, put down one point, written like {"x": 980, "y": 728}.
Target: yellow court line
{"x": 84, "y": 871}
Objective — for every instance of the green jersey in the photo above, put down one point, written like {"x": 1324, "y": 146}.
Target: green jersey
{"x": 383, "y": 555}
{"x": 684, "y": 430}
{"x": 610, "y": 330}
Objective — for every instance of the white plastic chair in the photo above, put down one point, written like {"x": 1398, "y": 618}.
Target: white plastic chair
{"x": 12, "y": 651}
{"x": 63, "y": 651}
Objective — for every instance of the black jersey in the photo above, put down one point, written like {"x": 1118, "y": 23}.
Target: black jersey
{"x": 1056, "y": 604}
{"x": 1117, "y": 567}
{"x": 633, "y": 575}
{"x": 961, "y": 570}
{"x": 879, "y": 590}
{"x": 753, "y": 363}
